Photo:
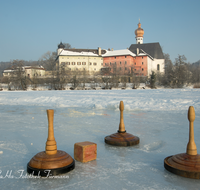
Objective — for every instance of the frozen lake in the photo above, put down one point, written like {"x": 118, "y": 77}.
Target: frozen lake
{"x": 157, "y": 117}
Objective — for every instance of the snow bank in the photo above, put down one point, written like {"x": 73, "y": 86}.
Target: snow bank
{"x": 157, "y": 99}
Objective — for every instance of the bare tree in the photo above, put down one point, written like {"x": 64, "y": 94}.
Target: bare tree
{"x": 18, "y": 76}
{"x": 48, "y": 61}
{"x": 67, "y": 45}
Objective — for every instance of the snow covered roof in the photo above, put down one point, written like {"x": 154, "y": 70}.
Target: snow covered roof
{"x": 8, "y": 71}
{"x": 34, "y": 67}
{"x": 118, "y": 53}
{"x": 75, "y": 53}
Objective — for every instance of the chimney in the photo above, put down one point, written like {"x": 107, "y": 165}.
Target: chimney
{"x": 99, "y": 50}
{"x": 112, "y": 49}
{"x": 137, "y": 51}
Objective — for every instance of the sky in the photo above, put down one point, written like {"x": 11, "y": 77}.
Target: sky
{"x": 30, "y": 28}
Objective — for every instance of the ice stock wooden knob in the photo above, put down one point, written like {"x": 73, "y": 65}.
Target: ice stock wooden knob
{"x": 51, "y": 161}
{"x": 186, "y": 164}
{"x": 122, "y": 138}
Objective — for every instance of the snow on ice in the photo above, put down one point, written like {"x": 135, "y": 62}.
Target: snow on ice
{"x": 158, "y": 117}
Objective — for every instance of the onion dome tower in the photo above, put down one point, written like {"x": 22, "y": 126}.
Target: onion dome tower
{"x": 60, "y": 48}
{"x": 122, "y": 138}
{"x": 139, "y": 32}
{"x": 186, "y": 164}
{"x": 51, "y": 161}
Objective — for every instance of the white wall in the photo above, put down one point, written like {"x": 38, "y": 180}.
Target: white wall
{"x": 152, "y": 65}
{"x": 88, "y": 59}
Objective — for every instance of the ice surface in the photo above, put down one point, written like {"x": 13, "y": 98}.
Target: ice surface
{"x": 158, "y": 117}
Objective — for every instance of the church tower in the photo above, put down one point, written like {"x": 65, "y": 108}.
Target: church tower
{"x": 139, "y": 32}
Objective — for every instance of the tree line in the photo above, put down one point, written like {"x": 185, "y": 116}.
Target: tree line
{"x": 179, "y": 73}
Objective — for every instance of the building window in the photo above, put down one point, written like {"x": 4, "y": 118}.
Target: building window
{"x": 120, "y": 63}
{"x": 142, "y": 69}
{"x": 73, "y": 63}
{"x": 115, "y": 63}
{"x": 142, "y": 63}
{"x": 110, "y": 63}
{"x": 84, "y": 63}
{"x": 95, "y": 69}
{"x": 67, "y": 63}
{"x": 120, "y": 68}
{"x": 94, "y": 63}
{"x": 142, "y": 57}
{"x": 158, "y": 67}
{"x": 101, "y": 63}
{"x": 78, "y": 63}
{"x": 125, "y": 68}
{"x": 125, "y": 56}
{"x": 135, "y": 63}
{"x": 90, "y": 63}
{"x": 115, "y": 57}
{"x": 125, "y": 62}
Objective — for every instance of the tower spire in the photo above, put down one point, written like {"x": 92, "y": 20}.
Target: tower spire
{"x": 139, "y": 32}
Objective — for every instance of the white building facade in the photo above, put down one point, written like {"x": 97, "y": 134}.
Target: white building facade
{"x": 80, "y": 59}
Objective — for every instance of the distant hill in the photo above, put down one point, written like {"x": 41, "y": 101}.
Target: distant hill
{"x": 196, "y": 63}
{"x": 3, "y": 66}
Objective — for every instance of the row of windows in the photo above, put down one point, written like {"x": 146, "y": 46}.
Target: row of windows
{"x": 124, "y": 68}
{"x": 78, "y": 63}
{"x": 81, "y": 69}
{"x": 125, "y": 57}
{"x": 120, "y": 63}
{"x": 120, "y": 56}
{"x": 114, "y": 63}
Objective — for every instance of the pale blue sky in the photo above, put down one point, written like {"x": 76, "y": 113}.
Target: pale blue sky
{"x": 30, "y": 28}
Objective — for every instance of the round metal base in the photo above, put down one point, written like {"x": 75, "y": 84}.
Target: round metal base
{"x": 46, "y": 165}
{"x": 184, "y": 165}
{"x": 122, "y": 139}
